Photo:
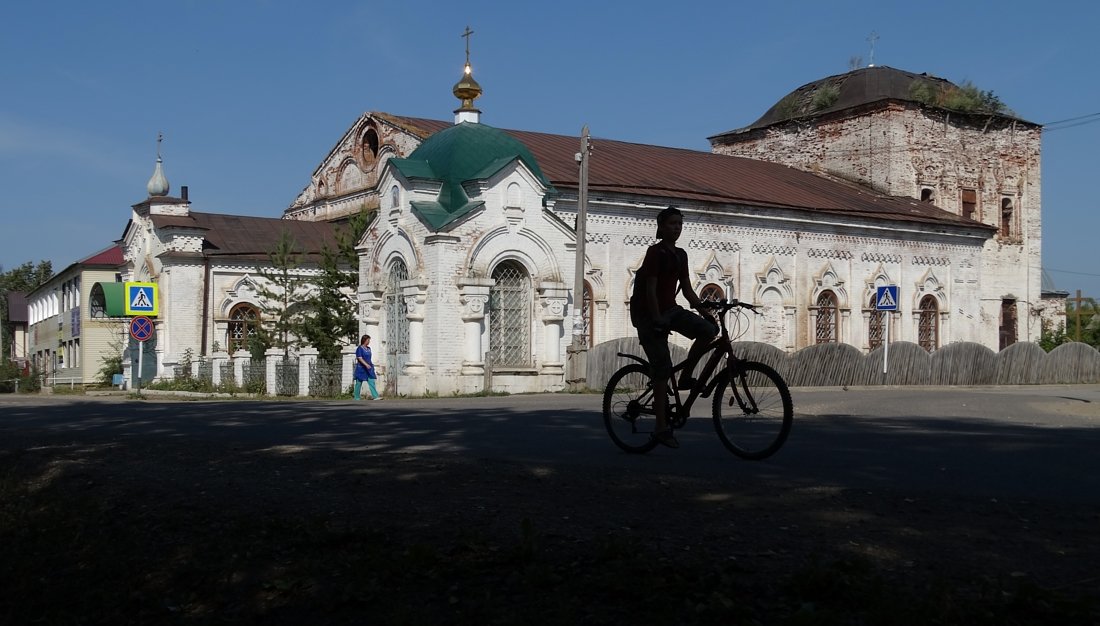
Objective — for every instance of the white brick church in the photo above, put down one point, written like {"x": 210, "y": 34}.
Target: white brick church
{"x": 468, "y": 263}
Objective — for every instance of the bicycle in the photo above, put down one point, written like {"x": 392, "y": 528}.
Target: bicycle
{"x": 752, "y": 408}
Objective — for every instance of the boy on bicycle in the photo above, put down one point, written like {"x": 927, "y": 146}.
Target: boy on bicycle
{"x": 653, "y": 311}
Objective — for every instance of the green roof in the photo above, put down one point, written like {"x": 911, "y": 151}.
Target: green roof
{"x": 461, "y": 153}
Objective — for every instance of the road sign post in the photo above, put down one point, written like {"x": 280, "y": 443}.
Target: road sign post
{"x": 886, "y": 299}
{"x": 141, "y": 329}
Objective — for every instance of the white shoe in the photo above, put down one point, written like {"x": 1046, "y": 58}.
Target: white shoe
{"x": 378, "y": 398}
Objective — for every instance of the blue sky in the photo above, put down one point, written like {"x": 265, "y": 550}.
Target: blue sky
{"x": 252, "y": 94}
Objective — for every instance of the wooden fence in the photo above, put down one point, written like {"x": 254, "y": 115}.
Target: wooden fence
{"x": 838, "y": 364}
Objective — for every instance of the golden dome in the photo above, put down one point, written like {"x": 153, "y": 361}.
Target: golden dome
{"x": 467, "y": 89}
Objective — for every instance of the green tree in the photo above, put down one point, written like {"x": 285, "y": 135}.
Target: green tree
{"x": 22, "y": 279}
{"x": 331, "y": 313}
{"x": 281, "y": 294}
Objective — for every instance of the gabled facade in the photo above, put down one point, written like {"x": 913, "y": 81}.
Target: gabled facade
{"x": 207, "y": 267}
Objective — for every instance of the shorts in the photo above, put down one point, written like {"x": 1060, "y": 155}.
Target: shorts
{"x": 655, "y": 343}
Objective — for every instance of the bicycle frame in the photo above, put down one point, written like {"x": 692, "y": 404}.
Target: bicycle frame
{"x": 680, "y": 409}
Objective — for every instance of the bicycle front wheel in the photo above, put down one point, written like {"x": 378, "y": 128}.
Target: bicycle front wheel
{"x": 628, "y": 408}
{"x": 753, "y": 411}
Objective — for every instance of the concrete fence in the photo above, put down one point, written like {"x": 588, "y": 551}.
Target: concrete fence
{"x": 838, "y": 364}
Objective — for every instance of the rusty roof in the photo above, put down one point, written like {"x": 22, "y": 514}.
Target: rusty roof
{"x": 111, "y": 257}
{"x": 679, "y": 174}
{"x": 248, "y": 237}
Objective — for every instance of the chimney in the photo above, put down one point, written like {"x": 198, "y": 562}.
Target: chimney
{"x": 183, "y": 192}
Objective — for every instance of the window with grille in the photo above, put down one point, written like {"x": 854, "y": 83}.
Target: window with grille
{"x": 826, "y": 317}
{"x": 243, "y": 322}
{"x": 510, "y": 315}
{"x": 928, "y": 325}
{"x": 711, "y": 293}
{"x": 397, "y": 312}
{"x": 876, "y": 324}
{"x": 587, "y": 313}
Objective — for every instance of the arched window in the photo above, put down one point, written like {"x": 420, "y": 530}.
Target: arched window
{"x": 928, "y": 325}
{"x": 397, "y": 312}
{"x": 395, "y": 197}
{"x": 370, "y": 143}
{"x": 711, "y": 293}
{"x": 97, "y": 302}
{"x": 927, "y": 195}
{"x": 825, "y": 330}
{"x": 876, "y": 323}
{"x": 244, "y": 321}
{"x": 510, "y": 315}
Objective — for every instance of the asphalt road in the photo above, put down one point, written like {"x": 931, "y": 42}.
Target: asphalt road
{"x": 1035, "y": 442}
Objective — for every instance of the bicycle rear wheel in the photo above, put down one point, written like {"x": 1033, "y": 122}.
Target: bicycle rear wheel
{"x": 628, "y": 408}
{"x": 753, "y": 411}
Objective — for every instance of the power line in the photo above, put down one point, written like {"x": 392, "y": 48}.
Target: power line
{"x": 1051, "y": 269}
{"x": 1072, "y": 119}
{"x": 1072, "y": 122}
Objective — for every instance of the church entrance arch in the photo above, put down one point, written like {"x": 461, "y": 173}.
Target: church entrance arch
{"x": 397, "y": 325}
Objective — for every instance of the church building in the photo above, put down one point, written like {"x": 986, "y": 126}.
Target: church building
{"x": 467, "y": 268}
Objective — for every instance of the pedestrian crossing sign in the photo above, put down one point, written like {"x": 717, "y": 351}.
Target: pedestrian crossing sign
{"x": 886, "y": 298}
{"x": 141, "y": 299}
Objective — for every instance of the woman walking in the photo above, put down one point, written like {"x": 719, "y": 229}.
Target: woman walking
{"x": 364, "y": 369}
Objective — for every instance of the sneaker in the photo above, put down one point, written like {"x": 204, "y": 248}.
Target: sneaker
{"x": 376, "y": 398}
{"x": 666, "y": 438}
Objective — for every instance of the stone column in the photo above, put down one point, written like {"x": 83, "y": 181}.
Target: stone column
{"x": 473, "y": 295}
{"x": 307, "y": 356}
{"x": 552, "y": 298}
{"x": 217, "y": 360}
{"x": 270, "y": 358}
{"x": 370, "y": 314}
{"x": 239, "y": 358}
{"x": 415, "y": 294}
{"x": 347, "y": 366}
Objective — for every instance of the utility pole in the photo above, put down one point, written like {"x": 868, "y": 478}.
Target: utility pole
{"x": 578, "y": 350}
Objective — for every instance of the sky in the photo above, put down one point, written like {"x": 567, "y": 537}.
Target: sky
{"x": 251, "y": 95}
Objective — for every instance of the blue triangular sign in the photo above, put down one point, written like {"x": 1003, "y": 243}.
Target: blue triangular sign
{"x": 886, "y": 299}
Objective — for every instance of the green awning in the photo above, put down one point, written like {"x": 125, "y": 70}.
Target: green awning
{"x": 108, "y": 300}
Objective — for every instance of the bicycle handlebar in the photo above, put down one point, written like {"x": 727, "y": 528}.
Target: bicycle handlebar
{"x": 727, "y": 305}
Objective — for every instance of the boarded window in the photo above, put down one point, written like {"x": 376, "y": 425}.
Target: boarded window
{"x": 970, "y": 204}
{"x": 1008, "y": 323}
{"x": 1008, "y": 217}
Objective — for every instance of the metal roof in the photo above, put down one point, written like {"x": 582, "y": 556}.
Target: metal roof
{"x": 679, "y": 174}
{"x": 251, "y": 237}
